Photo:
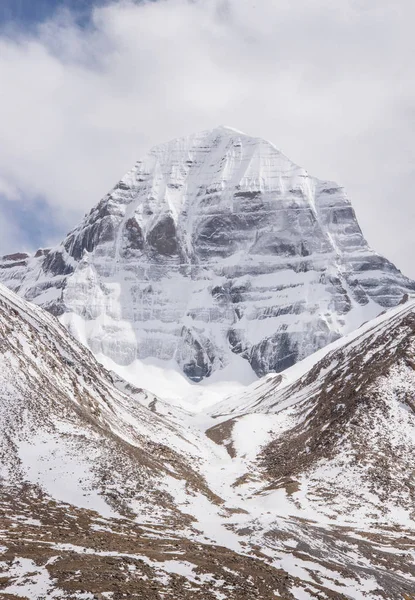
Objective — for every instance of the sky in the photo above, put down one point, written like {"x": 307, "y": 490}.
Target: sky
{"x": 87, "y": 87}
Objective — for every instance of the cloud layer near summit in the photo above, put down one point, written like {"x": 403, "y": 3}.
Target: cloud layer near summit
{"x": 331, "y": 84}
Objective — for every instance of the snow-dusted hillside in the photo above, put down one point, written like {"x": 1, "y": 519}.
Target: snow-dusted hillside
{"x": 300, "y": 488}
{"x": 66, "y": 426}
{"x": 332, "y": 440}
{"x": 336, "y": 431}
{"x": 99, "y": 494}
{"x": 212, "y": 248}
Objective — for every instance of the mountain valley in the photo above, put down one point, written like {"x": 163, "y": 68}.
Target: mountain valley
{"x": 207, "y": 392}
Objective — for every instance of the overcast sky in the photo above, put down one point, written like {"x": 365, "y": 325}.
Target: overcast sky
{"x": 84, "y": 93}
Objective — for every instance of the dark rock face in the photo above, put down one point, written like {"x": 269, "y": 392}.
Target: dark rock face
{"x": 14, "y": 261}
{"x": 236, "y": 342}
{"x": 55, "y": 264}
{"x": 11, "y": 265}
{"x": 162, "y": 238}
{"x": 214, "y": 236}
{"x": 97, "y": 233}
{"x": 42, "y": 252}
{"x": 134, "y": 235}
{"x": 197, "y": 356}
{"x": 18, "y": 256}
{"x": 281, "y": 352}
{"x": 215, "y": 248}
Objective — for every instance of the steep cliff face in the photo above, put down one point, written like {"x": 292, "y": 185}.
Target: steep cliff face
{"x": 212, "y": 246}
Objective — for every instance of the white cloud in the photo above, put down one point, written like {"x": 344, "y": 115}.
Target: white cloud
{"x": 9, "y": 191}
{"x": 331, "y": 84}
{"x": 9, "y": 232}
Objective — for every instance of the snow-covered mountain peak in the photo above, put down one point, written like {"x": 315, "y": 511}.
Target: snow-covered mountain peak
{"x": 218, "y": 159}
{"x": 219, "y": 257}
{"x": 213, "y": 248}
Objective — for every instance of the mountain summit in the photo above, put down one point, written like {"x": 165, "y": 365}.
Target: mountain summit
{"x": 214, "y": 248}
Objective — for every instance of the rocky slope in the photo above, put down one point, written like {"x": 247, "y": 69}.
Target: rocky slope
{"x": 302, "y": 487}
{"x": 334, "y": 438}
{"x": 212, "y": 248}
{"x": 99, "y": 496}
{"x": 344, "y": 424}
